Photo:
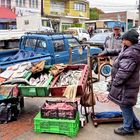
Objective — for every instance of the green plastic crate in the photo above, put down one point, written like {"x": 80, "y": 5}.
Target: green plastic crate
{"x": 59, "y": 126}
{"x": 35, "y": 91}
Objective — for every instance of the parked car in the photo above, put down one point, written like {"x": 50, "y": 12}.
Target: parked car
{"x": 80, "y": 33}
{"x": 102, "y": 31}
{"x": 98, "y": 40}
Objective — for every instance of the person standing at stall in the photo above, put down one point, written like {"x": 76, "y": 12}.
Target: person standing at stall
{"x": 125, "y": 82}
{"x": 113, "y": 42}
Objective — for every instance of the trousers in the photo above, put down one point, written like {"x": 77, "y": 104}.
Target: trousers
{"x": 130, "y": 120}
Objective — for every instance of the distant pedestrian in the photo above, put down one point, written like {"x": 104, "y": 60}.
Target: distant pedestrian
{"x": 125, "y": 82}
{"x": 90, "y": 31}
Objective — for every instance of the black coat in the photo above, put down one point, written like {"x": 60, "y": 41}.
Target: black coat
{"x": 125, "y": 76}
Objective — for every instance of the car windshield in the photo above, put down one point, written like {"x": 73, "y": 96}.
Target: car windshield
{"x": 73, "y": 43}
{"x": 100, "y": 36}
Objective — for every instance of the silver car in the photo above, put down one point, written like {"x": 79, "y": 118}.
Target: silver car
{"x": 98, "y": 39}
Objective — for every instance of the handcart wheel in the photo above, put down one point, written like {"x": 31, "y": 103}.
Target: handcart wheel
{"x": 21, "y": 102}
{"x": 95, "y": 65}
{"x": 95, "y": 124}
{"x": 105, "y": 69}
{"x": 9, "y": 115}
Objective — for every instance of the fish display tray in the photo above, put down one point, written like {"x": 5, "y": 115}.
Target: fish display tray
{"x": 36, "y": 91}
{"x": 59, "y": 126}
{"x": 59, "y": 113}
{"x": 59, "y": 91}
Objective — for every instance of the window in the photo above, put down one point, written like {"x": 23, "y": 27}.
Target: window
{"x": 9, "y": 3}
{"x": 42, "y": 44}
{"x": 16, "y": 2}
{"x": 65, "y": 26}
{"x": 80, "y": 7}
{"x": 30, "y": 3}
{"x": 20, "y": 3}
{"x": 58, "y": 45}
{"x": 23, "y": 2}
{"x": 36, "y": 3}
{"x": 2, "y": 2}
{"x": 57, "y": 7}
{"x": 30, "y": 42}
{"x": 46, "y": 23}
{"x": 26, "y": 22}
{"x": 73, "y": 43}
{"x": 33, "y": 3}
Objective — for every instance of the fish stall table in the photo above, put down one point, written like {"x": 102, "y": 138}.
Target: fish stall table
{"x": 49, "y": 87}
{"x": 95, "y": 120}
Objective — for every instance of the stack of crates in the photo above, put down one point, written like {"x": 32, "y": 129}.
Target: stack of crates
{"x": 69, "y": 127}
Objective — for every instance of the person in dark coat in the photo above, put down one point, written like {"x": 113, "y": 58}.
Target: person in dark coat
{"x": 125, "y": 82}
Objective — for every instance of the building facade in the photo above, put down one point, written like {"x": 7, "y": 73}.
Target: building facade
{"x": 5, "y": 3}
{"x": 26, "y": 7}
{"x": 130, "y": 18}
{"x": 66, "y": 13}
{"x": 63, "y": 13}
{"x": 22, "y": 7}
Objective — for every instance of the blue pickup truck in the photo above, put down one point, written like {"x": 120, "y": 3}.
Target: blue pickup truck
{"x": 54, "y": 49}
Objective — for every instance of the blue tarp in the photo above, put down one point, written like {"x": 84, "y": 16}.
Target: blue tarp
{"x": 111, "y": 114}
{"x": 19, "y": 56}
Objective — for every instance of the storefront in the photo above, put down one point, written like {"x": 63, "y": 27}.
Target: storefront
{"x": 7, "y": 18}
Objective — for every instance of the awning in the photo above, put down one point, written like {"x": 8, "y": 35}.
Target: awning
{"x": 6, "y": 13}
{"x": 5, "y": 20}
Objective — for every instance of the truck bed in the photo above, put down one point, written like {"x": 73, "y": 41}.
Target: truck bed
{"x": 11, "y": 34}
{"x": 9, "y": 58}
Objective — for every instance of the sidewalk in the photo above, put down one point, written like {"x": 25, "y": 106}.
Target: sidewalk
{"x": 22, "y": 129}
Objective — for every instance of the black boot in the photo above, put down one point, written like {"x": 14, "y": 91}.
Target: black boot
{"x": 122, "y": 131}
{"x": 137, "y": 128}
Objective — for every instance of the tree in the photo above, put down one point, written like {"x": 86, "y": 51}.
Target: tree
{"x": 94, "y": 13}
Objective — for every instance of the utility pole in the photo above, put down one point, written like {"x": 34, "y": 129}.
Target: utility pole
{"x": 42, "y": 7}
{"x": 139, "y": 12}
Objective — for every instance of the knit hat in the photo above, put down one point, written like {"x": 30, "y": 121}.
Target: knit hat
{"x": 131, "y": 35}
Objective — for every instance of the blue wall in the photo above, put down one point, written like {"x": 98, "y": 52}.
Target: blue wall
{"x": 110, "y": 24}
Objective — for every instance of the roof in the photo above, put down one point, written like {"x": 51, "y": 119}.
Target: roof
{"x": 48, "y": 35}
{"x": 75, "y": 28}
{"x": 6, "y": 13}
{"x": 105, "y": 20}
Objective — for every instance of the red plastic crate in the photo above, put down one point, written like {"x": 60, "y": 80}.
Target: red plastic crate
{"x": 59, "y": 91}
{"x": 59, "y": 113}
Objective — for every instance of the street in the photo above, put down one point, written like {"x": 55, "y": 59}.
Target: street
{"x": 22, "y": 129}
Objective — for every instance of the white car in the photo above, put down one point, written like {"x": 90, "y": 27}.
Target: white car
{"x": 101, "y": 31}
{"x": 80, "y": 33}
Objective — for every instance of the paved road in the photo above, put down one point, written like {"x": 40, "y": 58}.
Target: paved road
{"x": 22, "y": 129}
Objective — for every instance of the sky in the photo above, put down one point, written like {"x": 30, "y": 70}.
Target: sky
{"x": 114, "y": 5}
